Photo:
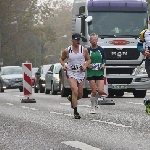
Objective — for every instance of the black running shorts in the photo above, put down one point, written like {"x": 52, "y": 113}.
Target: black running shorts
{"x": 95, "y": 78}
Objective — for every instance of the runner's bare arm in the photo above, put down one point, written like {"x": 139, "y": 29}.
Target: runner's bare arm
{"x": 87, "y": 57}
{"x": 63, "y": 57}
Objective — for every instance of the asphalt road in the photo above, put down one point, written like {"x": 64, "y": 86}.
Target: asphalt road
{"x": 48, "y": 124}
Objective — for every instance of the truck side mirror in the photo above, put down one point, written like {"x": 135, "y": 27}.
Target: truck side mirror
{"x": 89, "y": 19}
{"x": 78, "y": 25}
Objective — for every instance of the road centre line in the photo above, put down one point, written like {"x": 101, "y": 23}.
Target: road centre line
{"x": 18, "y": 95}
{"x": 112, "y": 123}
{"x": 80, "y": 145}
{"x": 24, "y": 107}
{"x": 78, "y": 105}
{"x": 10, "y": 104}
{"x": 135, "y": 103}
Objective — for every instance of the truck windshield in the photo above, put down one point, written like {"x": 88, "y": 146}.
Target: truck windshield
{"x": 117, "y": 23}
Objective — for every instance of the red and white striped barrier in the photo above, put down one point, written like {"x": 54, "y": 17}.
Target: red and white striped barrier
{"x": 27, "y": 78}
{"x": 27, "y": 82}
{"x": 105, "y": 93}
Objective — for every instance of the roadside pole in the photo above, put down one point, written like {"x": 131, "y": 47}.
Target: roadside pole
{"x": 27, "y": 84}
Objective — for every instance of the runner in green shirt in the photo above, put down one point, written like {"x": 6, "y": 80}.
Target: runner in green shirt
{"x": 95, "y": 70}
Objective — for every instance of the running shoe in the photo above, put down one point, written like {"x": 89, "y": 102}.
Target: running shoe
{"x": 70, "y": 99}
{"x": 92, "y": 111}
{"x": 77, "y": 116}
{"x": 146, "y": 101}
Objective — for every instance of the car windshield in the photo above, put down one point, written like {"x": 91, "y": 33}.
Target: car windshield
{"x": 57, "y": 69}
{"x": 127, "y": 24}
{"x": 45, "y": 69}
{"x": 11, "y": 70}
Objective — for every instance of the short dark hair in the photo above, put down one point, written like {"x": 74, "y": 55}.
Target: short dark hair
{"x": 76, "y": 36}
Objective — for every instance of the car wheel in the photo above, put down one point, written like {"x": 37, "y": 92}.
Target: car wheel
{"x": 53, "y": 92}
{"x": 47, "y": 91}
{"x": 42, "y": 89}
{"x": 65, "y": 92}
{"x": 85, "y": 93}
{"x": 35, "y": 89}
{"x": 2, "y": 90}
{"x": 21, "y": 89}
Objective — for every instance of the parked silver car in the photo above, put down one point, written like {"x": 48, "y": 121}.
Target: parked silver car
{"x": 52, "y": 79}
{"x": 11, "y": 77}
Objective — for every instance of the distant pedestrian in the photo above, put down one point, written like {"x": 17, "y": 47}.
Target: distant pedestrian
{"x": 77, "y": 60}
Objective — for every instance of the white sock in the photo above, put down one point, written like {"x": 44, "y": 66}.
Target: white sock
{"x": 93, "y": 102}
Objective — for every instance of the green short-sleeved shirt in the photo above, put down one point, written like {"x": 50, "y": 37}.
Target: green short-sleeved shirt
{"x": 96, "y": 58}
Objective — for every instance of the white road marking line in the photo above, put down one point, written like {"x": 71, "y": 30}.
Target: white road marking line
{"x": 65, "y": 103}
{"x": 24, "y": 107}
{"x": 10, "y": 104}
{"x": 52, "y": 112}
{"x": 112, "y": 123}
{"x": 18, "y": 96}
{"x": 68, "y": 115}
{"x": 33, "y": 109}
{"x": 135, "y": 103}
{"x": 80, "y": 145}
{"x": 84, "y": 105}
{"x": 78, "y": 105}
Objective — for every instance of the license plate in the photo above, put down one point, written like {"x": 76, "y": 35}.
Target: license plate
{"x": 119, "y": 86}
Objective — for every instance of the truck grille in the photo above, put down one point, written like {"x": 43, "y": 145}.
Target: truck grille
{"x": 124, "y": 54}
{"x": 119, "y": 70}
{"x": 119, "y": 80}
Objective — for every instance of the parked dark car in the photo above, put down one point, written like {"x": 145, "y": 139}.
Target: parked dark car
{"x": 11, "y": 77}
{"x": 39, "y": 84}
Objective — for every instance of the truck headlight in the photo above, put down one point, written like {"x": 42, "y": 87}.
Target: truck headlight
{"x": 142, "y": 71}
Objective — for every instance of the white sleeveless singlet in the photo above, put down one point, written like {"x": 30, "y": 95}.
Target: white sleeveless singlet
{"x": 75, "y": 60}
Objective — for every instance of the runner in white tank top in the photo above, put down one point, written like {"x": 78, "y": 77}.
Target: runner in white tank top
{"x": 77, "y": 60}
{"x": 74, "y": 63}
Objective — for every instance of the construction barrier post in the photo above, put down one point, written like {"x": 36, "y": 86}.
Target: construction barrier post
{"x": 103, "y": 100}
{"x": 27, "y": 83}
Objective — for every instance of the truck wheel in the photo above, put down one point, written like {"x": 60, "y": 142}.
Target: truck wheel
{"x": 111, "y": 93}
{"x": 139, "y": 93}
{"x": 85, "y": 93}
{"x": 64, "y": 92}
{"x": 53, "y": 92}
{"x": 119, "y": 93}
{"x": 47, "y": 91}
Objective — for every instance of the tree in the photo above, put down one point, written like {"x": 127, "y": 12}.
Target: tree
{"x": 61, "y": 23}
{"x": 21, "y": 41}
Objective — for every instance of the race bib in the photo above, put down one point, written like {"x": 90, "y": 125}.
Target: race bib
{"x": 96, "y": 66}
{"x": 76, "y": 67}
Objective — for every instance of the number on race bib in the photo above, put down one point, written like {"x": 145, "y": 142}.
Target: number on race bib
{"x": 96, "y": 66}
{"x": 75, "y": 67}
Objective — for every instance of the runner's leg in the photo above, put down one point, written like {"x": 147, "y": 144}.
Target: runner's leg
{"x": 74, "y": 88}
{"x": 93, "y": 94}
{"x": 80, "y": 90}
